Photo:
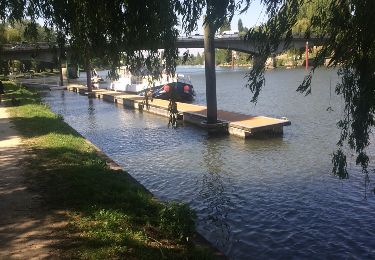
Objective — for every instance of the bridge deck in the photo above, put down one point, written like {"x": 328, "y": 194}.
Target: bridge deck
{"x": 238, "y": 124}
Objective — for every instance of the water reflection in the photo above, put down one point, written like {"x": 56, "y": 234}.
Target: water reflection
{"x": 62, "y": 96}
{"x": 91, "y": 114}
{"x": 63, "y": 102}
{"x": 213, "y": 191}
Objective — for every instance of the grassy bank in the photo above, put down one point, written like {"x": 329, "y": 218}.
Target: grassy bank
{"x": 110, "y": 215}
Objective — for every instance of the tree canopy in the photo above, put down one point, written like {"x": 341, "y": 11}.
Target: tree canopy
{"x": 240, "y": 25}
{"x": 18, "y": 32}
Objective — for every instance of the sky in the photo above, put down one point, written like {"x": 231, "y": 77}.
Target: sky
{"x": 254, "y": 16}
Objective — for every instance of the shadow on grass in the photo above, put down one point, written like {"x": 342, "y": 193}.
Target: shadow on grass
{"x": 42, "y": 125}
{"x": 80, "y": 180}
{"x": 114, "y": 215}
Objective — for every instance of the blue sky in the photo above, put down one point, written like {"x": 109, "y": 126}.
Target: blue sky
{"x": 254, "y": 16}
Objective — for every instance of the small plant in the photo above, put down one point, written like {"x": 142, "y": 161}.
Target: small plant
{"x": 177, "y": 220}
{"x": 60, "y": 117}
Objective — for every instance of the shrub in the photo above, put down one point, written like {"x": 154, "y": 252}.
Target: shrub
{"x": 177, "y": 220}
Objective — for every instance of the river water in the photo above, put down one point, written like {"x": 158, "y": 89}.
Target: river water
{"x": 255, "y": 199}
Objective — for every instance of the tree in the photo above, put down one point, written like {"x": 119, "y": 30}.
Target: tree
{"x": 225, "y": 26}
{"x": 345, "y": 28}
{"x": 240, "y": 26}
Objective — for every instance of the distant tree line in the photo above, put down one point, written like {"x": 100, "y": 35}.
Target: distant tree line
{"x": 22, "y": 32}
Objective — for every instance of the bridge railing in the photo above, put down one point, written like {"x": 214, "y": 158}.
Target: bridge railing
{"x": 27, "y": 46}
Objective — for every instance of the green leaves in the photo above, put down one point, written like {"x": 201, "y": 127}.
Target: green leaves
{"x": 339, "y": 164}
{"x": 177, "y": 220}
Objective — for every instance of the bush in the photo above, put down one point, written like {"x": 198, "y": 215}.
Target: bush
{"x": 177, "y": 220}
{"x": 280, "y": 62}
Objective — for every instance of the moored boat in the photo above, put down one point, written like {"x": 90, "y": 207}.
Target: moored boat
{"x": 141, "y": 83}
{"x": 97, "y": 81}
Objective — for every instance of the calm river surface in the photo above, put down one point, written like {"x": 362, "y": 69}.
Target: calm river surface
{"x": 255, "y": 199}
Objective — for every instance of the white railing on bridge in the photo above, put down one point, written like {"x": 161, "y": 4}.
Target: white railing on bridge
{"x": 28, "y": 46}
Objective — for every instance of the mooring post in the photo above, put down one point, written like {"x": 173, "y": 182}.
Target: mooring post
{"x": 209, "y": 58}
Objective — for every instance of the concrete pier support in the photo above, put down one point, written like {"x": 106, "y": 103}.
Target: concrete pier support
{"x": 209, "y": 57}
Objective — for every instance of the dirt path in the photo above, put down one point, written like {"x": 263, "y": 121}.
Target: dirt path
{"x": 27, "y": 229}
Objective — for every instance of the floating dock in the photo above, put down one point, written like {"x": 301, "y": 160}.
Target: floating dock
{"x": 237, "y": 124}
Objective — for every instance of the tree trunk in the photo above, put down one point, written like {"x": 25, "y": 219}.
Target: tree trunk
{"x": 61, "y": 72}
{"x": 88, "y": 75}
{"x": 209, "y": 57}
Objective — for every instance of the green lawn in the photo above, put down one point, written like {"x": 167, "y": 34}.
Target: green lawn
{"x": 110, "y": 215}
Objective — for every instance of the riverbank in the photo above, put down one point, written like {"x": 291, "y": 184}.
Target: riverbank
{"x": 109, "y": 215}
{"x": 28, "y": 230}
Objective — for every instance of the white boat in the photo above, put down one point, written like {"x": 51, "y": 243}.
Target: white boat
{"x": 98, "y": 82}
{"x": 139, "y": 84}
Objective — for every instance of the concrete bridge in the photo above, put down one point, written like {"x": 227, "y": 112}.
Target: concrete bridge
{"x": 48, "y": 52}
{"x": 40, "y": 51}
{"x": 239, "y": 44}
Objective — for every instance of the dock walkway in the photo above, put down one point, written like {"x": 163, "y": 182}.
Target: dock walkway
{"x": 234, "y": 123}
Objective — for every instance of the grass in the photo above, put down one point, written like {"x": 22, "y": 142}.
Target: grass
{"x": 110, "y": 215}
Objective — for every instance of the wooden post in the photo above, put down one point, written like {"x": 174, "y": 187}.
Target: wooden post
{"x": 209, "y": 58}
{"x": 307, "y": 56}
